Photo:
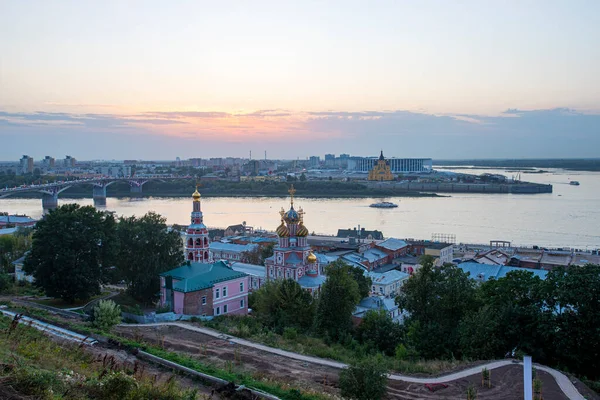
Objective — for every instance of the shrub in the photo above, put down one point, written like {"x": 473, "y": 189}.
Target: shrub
{"x": 401, "y": 352}
{"x": 164, "y": 309}
{"x": 6, "y": 282}
{"x": 290, "y": 333}
{"x": 106, "y": 315}
{"x": 365, "y": 380}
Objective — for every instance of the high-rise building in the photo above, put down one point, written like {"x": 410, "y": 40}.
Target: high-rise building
{"x": 329, "y": 160}
{"x": 26, "y": 165}
{"x": 70, "y": 162}
{"x": 315, "y": 161}
{"x": 196, "y": 245}
{"x": 48, "y": 162}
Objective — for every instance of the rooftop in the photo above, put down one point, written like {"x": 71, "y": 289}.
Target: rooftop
{"x": 485, "y": 271}
{"x": 386, "y": 278}
{"x": 237, "y": 248}
{"x": 393, "y": 244}
{"x": 198, "y": 276}
{"x": 249, "y": 269}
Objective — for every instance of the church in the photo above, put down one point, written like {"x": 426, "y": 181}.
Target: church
{"x": 292, "y": 256}
{"x": 381, "y": 171}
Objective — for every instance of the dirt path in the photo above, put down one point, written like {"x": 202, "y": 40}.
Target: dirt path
{"x": 562, "y": 380}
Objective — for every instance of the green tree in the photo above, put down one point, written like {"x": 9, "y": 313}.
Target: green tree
{"x": 437, "y": 300}
{"x": 106, "y": 315}
{"x": 303, "y": 177}
{"x": 71, "y": 247}
{"x": 364, "y": 282}
{"x": 283, "y": 304}
{"x": 514, "y": 305}
{"x": 13, "y": 247}
{"x": 365, "y": 380}
{"x": 147, "y": 248}
{"x": 337, "y": 300}
{"x": 572, "y": 305}
{"x": 378, "y": 331}
{"x": 267, "y": 251}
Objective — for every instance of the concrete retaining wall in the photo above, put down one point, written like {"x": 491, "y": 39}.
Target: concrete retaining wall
{"x": 152, "y": 318}
{"x": 520, "y": 188}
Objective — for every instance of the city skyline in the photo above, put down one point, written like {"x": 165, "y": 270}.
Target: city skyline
{"x": 144, "y": 80}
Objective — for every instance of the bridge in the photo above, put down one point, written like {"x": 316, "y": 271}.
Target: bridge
{"x": 50, "y": 191}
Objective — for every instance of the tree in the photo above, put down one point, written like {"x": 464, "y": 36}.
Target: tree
{"x": 252, "y": 256}
{"x": 364, "y": 282}
{"x": 303, "y": 177}
{"x": 147, "y": 248}
{"x": 572, "y": 314}
{"x": 365, "y": 380}
{"x": 106, "y": 315}
{"x": 282, "y": 304}
{"x": 437, "y": 300}
{"x": 337, "y": 301}
{"x": 378, "y": 331}
{"x": 267, "y": 251}
{"x": 72, "y": 246}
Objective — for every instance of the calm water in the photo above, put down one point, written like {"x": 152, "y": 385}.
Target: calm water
{"x": 568, "y": 217}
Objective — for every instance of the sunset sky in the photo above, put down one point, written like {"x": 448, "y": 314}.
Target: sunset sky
{"x": 161, "y": 79}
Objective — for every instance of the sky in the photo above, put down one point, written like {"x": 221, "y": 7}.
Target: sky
{"x": 164, "y": 79}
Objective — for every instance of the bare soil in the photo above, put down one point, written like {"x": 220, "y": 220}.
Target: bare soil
{"x": 507, "y": 382}
{"x": 228, "y": 355}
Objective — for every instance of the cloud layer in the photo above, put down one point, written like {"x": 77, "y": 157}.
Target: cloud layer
{"x": 513, "y": 133}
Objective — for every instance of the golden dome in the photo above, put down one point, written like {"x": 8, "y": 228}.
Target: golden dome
{"x": 196, "y": 195}
{"x": 302, "y": 231}
{"x": 311, "y": 258}
{"x": 282, "y": 230}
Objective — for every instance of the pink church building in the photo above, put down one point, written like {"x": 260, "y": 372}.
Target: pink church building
{"x": 201, "y": 287}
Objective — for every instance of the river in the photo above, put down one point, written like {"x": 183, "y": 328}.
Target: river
{"x": 568, "y": 217}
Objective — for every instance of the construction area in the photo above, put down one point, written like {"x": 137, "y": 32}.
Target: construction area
{"x": 506, "y": 382}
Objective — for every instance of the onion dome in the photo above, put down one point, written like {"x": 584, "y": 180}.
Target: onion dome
{"x": 311, "y": 258}
{"x": 302, "y": 231}
{"x": 292, "y": 216}
{"x": 282, "y": 230}
{"x": 196, "y": 195}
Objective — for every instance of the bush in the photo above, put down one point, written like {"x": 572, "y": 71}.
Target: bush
{"x": 164, "y": 309}
{"x": 6, "y": 282}
{"x": 365, "y": 380}
{"x": 106, "y": 315}
{"x": 401, "y": 352}
{"x": 290, "y": 333}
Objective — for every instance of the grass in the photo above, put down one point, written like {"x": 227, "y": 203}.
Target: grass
{"x": 249, "y": 328}
{"x": 262, "y": 382}
{"x": 35, "y": 366}
{"x": 60, "y": 303}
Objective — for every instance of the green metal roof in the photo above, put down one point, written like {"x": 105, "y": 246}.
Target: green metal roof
{"x": 198, "y": 276}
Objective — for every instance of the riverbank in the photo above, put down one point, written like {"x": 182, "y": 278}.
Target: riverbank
{"x": 176, "y": 189}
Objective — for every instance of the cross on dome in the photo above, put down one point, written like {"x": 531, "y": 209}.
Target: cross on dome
{"x": 292, "y": 191}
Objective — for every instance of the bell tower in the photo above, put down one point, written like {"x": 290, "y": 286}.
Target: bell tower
{"x": 196, "y": 238}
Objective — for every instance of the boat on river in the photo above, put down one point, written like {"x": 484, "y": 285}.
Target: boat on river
{"x": 384, "y": 204}
{"x": 574, "y": 183}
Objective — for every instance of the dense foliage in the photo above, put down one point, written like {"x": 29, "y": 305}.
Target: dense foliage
{"x": 283, "y": 304}
{"x": 365, "y": 380}
{"x": 13, "y": 247}
{"x": 72, "y": 246}
{"x": 338, "y": 299}
{"x": 147, "y": 248}
{"x": 556, "y": 320}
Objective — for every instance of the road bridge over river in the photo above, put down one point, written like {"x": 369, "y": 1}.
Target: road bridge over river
{"x": 50, "y": 191}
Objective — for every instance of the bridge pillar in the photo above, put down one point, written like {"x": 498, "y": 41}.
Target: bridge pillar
{"x": 99, "y": 194}
{"x": 136, "y": 187}
{"x": 49, "y": 201}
